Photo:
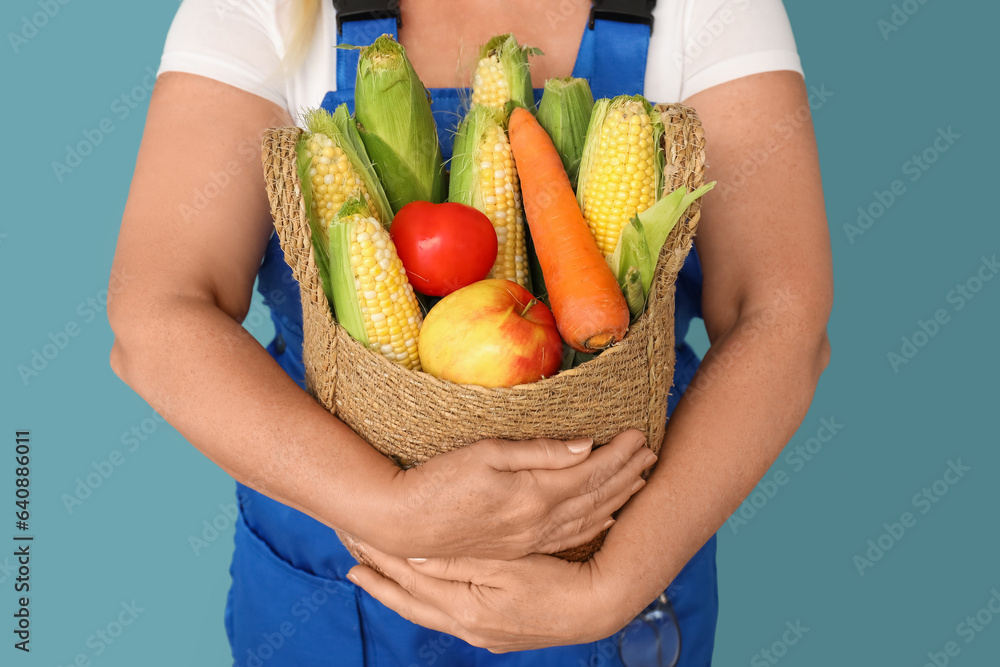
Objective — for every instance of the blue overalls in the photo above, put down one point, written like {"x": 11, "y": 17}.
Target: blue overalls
{"x": 290, "y": 604}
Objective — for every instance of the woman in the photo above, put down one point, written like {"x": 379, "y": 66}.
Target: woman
{"x": 462, "y": 555}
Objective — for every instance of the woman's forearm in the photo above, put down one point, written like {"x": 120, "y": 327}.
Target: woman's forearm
{"x": 210, "y": 379}
{"x": 223, "y": 392}
{"x": 767, "y": 294}
{"x": 746, "y": 401}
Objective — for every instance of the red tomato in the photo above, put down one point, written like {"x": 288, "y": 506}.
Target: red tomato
{"x": 443, "y": 247}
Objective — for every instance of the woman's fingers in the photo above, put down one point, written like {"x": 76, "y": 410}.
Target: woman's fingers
{"x": 579, "y": 520}
{"x": 486, "y": 572}
{"x": 476, "y": 571}
{"x": 614, "y": 493}
{"x": 397, "y": 598}
{"x": 571, "y": 534}
{"x": 511, "y": 491}
{"x": 413, "y": 581}
{"x": 538, "y": 454}
{"x": 600, "y": 469}
{"x": 441, "y": 604}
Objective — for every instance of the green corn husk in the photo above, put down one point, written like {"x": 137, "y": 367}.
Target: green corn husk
{"x": 394, "y": 118}
{"x": 463, "y": 182}
{"x": 346, "y": 306}
{"x": 538, "y": 288}
{"x": 340, "y": 129}
{"x": 564, "y": 112}
{"x": 632, "y": 287}
{"x": 635, "y": 256}
{"x": 512, "y": 59}
{"x": 317, "y": 230}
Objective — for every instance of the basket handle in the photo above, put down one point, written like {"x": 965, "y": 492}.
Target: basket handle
{"x": 288, "y": 210}
{"x": 684, "y": 166}
{"x": 291, "y": 223}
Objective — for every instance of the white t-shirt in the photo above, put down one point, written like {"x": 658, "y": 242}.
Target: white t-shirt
{"x": 696, "y": 44}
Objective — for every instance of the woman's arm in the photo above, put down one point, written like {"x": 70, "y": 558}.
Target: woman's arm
{"x": 764, "y": 246}
{"x": 186, "y": 261}
{"x": 768, "y": 290}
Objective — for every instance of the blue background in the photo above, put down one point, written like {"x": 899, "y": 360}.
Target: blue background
{"x": 793, "y": 559}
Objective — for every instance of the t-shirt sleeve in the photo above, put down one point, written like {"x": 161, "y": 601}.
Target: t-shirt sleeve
{"x": 236, "y": 42}
{"x": 729, "y": 39}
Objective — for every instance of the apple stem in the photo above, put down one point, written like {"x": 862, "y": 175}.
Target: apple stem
{"x": 531, "y": 304}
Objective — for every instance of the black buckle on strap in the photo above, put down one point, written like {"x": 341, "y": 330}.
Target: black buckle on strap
{"x": 624, "y": 11}
{"x": 365, "y": 10}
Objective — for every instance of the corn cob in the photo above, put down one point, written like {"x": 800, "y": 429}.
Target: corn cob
{"x": 621, "y": 171}
{"x": 393, "y": 112}
{"x": 372, "y": 298}
{"x": 483, "y": 176}
{"x": 333, "y": 166}
{"x": 502, "y": 80}
{"x": 564, "y": 112}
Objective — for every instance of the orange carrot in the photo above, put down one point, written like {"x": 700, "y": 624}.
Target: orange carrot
{"x": 589, "y": 307}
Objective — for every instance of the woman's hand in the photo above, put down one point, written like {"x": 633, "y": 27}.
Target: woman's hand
{"x": 500, "y": 499}
{"x": 530, "y": 603}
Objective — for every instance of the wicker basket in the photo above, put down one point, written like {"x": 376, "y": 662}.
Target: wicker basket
{"x": 412, "y": 416}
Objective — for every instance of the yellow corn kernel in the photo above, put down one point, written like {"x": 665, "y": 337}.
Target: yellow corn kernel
{"x": 501, "y": 194}
{"x": 389, "y": 308}
{"x": 502, "y": 78}
{"x": 621, "y": 181}
{"x": 333, "y": 178}
{"x": 484, "y": 176}
{"x": 489, "y": 83}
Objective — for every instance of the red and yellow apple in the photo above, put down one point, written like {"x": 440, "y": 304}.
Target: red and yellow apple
{"x": 491, "y": 333}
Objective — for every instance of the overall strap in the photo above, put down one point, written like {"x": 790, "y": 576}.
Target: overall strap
{"x": 360, "y": 22}
{"x": 614, "y": 47}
